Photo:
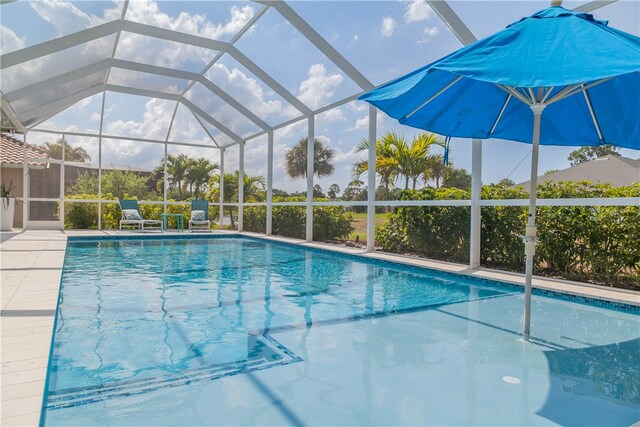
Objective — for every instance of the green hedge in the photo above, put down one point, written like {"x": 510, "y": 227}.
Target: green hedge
{"x": 329, "y": 222}
{"x": 83, "y": 215}
{"x": 596, "y": 244}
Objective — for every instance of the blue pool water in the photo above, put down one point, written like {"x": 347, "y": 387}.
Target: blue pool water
{"x": 238, "y": 331}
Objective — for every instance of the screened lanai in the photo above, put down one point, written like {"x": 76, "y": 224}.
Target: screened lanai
{"x": 239, "y": 84}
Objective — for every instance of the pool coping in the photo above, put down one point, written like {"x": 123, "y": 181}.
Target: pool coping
{"x": 32, "y": 264}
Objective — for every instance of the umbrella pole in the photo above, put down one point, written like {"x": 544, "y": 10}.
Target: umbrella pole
{"x": 530, "y": 236}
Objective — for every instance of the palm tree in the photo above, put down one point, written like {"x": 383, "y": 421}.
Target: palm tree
{"x": 197, "y": 174}
{"x": 177, "y": 169}
{"x": 296, "y": 159}
{"x": 71, "y": 154}
{"x": 386, "y": 161}
{"x": 254, "y": 188}
{"x": 413, "y": 158}
{"x": 395, "y": 157}
{"x": 436, "y": 169}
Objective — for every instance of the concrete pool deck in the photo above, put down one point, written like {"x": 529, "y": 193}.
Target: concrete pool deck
{"x": 31, "y": 268}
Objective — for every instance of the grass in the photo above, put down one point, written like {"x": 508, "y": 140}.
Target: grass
{"x": 360, "y": 225}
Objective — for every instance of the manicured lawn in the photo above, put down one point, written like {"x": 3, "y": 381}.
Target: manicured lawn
{"x": 360, "y": 225}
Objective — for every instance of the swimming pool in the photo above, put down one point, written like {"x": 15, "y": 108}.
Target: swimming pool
{"x": 241, "y": 331}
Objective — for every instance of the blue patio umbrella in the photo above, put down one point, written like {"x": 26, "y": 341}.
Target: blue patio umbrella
{"x": 556, "y": 77}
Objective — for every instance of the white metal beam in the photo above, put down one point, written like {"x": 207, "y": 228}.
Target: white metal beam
{"x": 154, "y": 69}
{"x": 268, "y": 80}
{"x": 125, "y": 6}
{"x": 119, "y": 137}
{"x": 7, "y": 110}
{"x": 318, "y": 41}
{"x": 241, "y": 186}
{"x": 165, "y": 186}
{"x": 26, "y": 186}
{"x": 204, "y": 128}
{"x": 175, "y": 97}
{"x": 300, "y": 118}
{"x": 48, "y": 110}
{"x": 58, "y": 80}
{"x": 174, "y": 36}
{"x": 141, "y": 92}
{"x": 185, "y": 75}
{"x": 104, "y": 98}
{"x": 235, "y": 38}
{"x": 221, "y": 192}
{"x": 453, "y": 21}
{"x": 233, "y": 103}
{"x": 269, "y": 228}
{"x": 51, "y": 46}
{"x": 476, "y": 195}
{"x": 310, "y": 171}
{"x": 197, "y": 110}
{"x": 134, "y": 66}
{"x": 371, "y": 178}
{"x": 593, "y": 5}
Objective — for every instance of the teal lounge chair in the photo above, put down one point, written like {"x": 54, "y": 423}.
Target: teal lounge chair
{"x": 199, "y": 216}
{"x": 131, "y": 216}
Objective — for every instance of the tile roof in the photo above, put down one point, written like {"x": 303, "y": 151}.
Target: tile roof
{"x": 616, "y": 170}
{"x": 11, "y": 152}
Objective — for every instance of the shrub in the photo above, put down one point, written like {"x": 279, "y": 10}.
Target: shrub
{"x": 85, "y": 215}
{"x": 329, "y": 222}
{"x": 597, "y": 244}
{"x": 81, "y": 216}
{"x": 594, "y": 243}
{"x": 501, "y": 247}
{"x": 255, "y": 219}
{"x": 432, "y": 231}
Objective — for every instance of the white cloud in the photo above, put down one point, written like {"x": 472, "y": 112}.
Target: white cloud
{"x": 333, "y": 115}
{"x": 186, "y": 128}
{"x": 417, "y": 10}
{"x": 428, "y": 34}
{"x": 9, "y": 40}
{"x": 357, "y": 106}
{"x": 246, "y": 90}
{"x": 67, "y": 18}
{"x": 170, "y": 54}
{"x": 319, "y": 87}
{"x": 64, "y": 16}
{"x": 363, "y": 122}
{"x": 149, "y": 12}
{"x": 154, "y": 124}
{"x": 388, "y": 26}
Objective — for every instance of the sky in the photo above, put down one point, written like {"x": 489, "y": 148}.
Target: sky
{"x": 382, "y": 39}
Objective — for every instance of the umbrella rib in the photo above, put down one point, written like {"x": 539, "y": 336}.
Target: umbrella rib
{"x": 587, "y": 99}
{"x": 561, "y": 95}
{"x": 546, "y": 95}
{"x": 510, "y": 90}
{"x": 437, "y": 94}
{"x": 504, "y": 107}
{"x": 572, "y": 90}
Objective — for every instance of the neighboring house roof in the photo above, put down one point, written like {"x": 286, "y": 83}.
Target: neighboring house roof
{"x": 11, "y": 152}
{"x": 615, "y": 170}
{"x": 11, "y": 155}
{"x": 96, "y": 166}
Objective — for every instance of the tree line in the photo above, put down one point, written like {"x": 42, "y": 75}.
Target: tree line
{"x": 401, "y": 163}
